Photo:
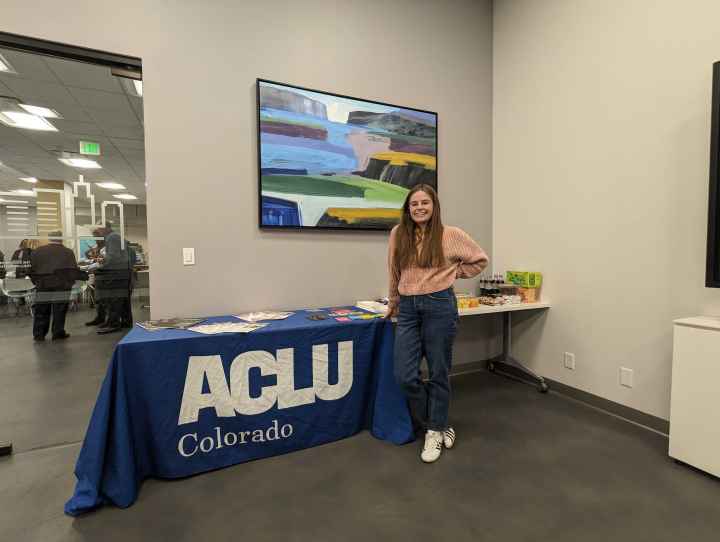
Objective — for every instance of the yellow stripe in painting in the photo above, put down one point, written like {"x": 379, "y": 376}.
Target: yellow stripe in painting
{"x": 353, "y": 215}
{"x": 403, "y": 158}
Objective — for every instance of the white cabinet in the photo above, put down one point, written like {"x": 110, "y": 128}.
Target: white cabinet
{"x": 695, "y": 399}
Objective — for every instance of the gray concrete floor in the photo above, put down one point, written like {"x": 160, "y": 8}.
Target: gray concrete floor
{"x": 526, "y": 467}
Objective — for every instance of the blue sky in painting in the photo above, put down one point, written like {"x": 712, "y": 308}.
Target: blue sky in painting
{"x": 338, "y": 107}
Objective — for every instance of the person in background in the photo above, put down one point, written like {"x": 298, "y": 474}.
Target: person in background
{"x": 97, "y": 253}
{"x": 114, "y": 277}
{"x": 424, "y": 259}
{"x": 53, "y": 270}
{"x": 21, "y": 259}
{"x": 23, "y": 251}
{"x": 3, "y": 273}
{"x": 126, "y": 317}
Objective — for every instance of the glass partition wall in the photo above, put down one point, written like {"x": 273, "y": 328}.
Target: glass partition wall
{"x": 72, "y": 169}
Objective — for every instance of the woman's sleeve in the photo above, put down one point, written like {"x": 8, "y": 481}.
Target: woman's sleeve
{"x": 473, "y": 259}
{"x": 393, "y": 273}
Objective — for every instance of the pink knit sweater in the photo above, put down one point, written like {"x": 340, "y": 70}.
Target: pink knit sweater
{"x": 463, "y": 260}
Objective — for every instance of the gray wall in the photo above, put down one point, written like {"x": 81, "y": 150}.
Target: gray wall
{"x": 601, "y": 137}
{"x": 200, "y": 61}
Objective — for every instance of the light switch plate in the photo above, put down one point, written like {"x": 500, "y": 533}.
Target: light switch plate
{"x": 188, "y": 256}
{"x": 569, "y": 360}
{"x": 626, "y": 377}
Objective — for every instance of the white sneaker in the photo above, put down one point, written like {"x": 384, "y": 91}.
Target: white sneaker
{"x": 449, "y": 437}
{"x": 433, "y": 446}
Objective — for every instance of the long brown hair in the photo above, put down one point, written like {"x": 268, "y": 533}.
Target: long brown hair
{"x": 431, "y": 251}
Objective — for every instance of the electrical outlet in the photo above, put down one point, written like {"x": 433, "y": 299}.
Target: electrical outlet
{"x": 626, "y": 377}
{"x": 569, "y": 360}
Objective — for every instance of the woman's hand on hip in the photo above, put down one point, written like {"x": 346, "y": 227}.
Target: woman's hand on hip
{"x": 391, "y": 312}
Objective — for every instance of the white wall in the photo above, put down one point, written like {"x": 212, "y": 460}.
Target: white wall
{"x": 200, "y": 62}
{"x": 601, "y": 137}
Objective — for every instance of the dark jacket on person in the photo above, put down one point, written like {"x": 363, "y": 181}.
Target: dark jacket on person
{"x": 53, "y": 267}
{"x": 113, "y": 277}
{"x": 21, "y": 260}
{"x": 21, "y": 254}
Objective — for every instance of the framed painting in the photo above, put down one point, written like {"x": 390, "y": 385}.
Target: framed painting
{"x": 328, "y": 161}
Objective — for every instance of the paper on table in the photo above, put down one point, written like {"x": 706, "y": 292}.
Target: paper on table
{"x": 266, "y": 315}
{"x": 226, "y": 327}
{"x": 170, "y": 323}
{"x": 372, "y": 306}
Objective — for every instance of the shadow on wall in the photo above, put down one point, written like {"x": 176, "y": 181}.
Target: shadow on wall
{"x": 527, "y": 331}
{"x": 479, "y": 338}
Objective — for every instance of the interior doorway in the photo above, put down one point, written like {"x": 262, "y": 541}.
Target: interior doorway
{"x": 72, "y": 165}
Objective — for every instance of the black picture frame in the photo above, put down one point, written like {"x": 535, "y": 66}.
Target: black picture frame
{"x": 712, "y": 274}
{"x": 267, "y": 227}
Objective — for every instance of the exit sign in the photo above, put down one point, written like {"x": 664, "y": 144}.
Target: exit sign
{"x": 90, "y": 147}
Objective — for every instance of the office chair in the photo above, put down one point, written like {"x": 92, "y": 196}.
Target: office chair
{"x": 17, "y": 289}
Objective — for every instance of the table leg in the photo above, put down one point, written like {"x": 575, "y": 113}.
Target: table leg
{"x": 508, "y": 360}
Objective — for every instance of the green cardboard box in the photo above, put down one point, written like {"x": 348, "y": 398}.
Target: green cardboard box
{"x": 524, "y": 279}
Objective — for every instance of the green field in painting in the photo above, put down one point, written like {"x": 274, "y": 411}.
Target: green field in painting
{"x": 343, "y": 186}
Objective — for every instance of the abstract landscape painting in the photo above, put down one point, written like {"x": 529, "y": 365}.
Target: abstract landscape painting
{"x": 329, "y": 161}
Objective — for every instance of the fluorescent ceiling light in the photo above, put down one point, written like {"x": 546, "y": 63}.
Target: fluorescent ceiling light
{"x": 41, "y": 111}
{"x": 111, "y": 186}
{"x": 5, "y": 66}
{"x": 14, "y": 194}
{"x": 16, "y": 119}
{"x": 24, "y": 192}
{"x": 12, "y": 201}
{"x": 138, "y": 87}
{"x": 82, "y": 163}
{"x": 125, "y": 196}
{"x": 32, "y": 180}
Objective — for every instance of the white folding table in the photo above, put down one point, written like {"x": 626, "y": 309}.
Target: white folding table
{"x": 506, "y": 358}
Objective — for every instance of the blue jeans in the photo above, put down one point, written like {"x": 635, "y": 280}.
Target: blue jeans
{"x": 426, "y": 326}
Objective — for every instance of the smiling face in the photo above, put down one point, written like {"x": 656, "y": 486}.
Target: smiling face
{"x": 421, "y": 208}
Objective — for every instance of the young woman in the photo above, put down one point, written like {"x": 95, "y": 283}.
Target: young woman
{"x": 424, "y": 259}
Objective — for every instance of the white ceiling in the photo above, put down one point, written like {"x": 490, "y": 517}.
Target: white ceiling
{"x": 94, "y": 105}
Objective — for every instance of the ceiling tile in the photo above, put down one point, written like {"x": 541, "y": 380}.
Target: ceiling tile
{"x": 29, "y": 66}
{"x": 78, "y": 74}
{"x": 134, "y": 156}
{"x": 4, "y": 89}
{"x": 128, "y": 132}
{"x": 77, "y": 127}
{"x": 52, "y": 95}
{"x": 72, "y": 112}
{"x": 95, "y": 99}
{"x": 122, "y": 116}
{"x": 137, "y": 105}
{"x": 128, "y": 144}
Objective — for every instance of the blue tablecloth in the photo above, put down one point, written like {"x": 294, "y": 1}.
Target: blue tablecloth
{"x": 176, "y": 403}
